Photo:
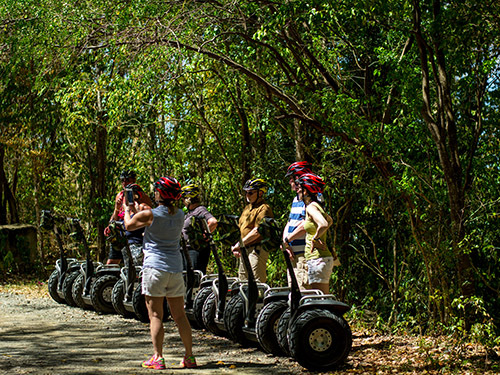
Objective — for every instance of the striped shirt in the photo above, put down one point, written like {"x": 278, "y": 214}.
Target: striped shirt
{"x": 297, "y": 215}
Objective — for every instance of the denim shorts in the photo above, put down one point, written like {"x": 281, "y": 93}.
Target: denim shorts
{"x": 157, "y": 283}
{"x": 319, "y": 270}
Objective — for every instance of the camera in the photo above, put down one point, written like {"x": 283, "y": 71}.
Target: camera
{"x": 129, "y": 196}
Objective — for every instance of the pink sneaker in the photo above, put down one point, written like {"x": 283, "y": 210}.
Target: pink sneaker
{"x": 155, "y": 363}
{"x": 189, "y": 362}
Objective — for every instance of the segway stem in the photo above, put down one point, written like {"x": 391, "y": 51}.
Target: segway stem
{"x": 295, "y": 293}
{"x": 253, "y": 293}
{"x": 223, "y": 284}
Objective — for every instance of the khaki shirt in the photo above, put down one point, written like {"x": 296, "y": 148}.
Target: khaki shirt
{"x": 252, "y": 215}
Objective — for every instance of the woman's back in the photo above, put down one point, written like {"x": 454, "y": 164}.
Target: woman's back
{"x": 162, "y": 240}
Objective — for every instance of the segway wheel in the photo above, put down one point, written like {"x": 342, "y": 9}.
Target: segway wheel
{"x": 100, "y": 293}
{"x": 319, "y": 340}
{"x": 139, "y": 303}
{"x": 77, "y": 292}
{"x": 52, "y": 285}
{"x": 67, "y": 287}
{"x": 282, "y": 332}
{"x": 140, "y": 309}
{"x": 117, "y": 296}
{"x": 234, "y": 320}
{"x": 267, "y": 327}
{"x": 209, "y": 313}
{"x": 198, "y": 303}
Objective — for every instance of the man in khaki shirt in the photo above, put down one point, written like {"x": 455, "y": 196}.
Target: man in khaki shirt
{"x": 252, "y": 215}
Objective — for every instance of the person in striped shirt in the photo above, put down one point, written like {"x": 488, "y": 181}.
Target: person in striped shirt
{"x": 294, "y": 234}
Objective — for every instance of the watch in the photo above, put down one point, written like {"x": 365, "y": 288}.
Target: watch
{"x": 287, "y": 241}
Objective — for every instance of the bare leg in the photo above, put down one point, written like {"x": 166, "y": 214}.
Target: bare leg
{"x": 155, "y": 312}
{"x": 176, "y": 305}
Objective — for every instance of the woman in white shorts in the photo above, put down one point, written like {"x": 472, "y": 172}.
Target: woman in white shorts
{"x": 317, "y": 221}
{"x": 162, "y": 268}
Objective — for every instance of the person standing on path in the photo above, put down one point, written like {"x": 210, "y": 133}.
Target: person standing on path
{"x": 191, "y": 197}
{"x": 319, "y": 257}
{"x": 162, "y": 268}
{"x": 127, "y": 178}
{"x": 252, "y": 215}
{"x": 294, "y": 234}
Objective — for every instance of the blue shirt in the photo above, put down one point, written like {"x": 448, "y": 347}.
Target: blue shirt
{"x": 297, "y": 215}
{"x": 162, "y": 241}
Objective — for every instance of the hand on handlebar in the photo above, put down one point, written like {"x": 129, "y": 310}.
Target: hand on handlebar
{"x": 236, "y": 250}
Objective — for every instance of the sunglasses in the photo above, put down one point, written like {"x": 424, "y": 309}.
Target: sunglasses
{"x": 250, "y": 192}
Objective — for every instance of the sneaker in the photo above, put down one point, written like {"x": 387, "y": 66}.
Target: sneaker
{"x": 155, "y": 363}
{"x": 189, "y": 362}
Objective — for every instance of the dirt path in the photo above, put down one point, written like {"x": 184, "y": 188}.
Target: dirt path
{"x": 39, "y": 336}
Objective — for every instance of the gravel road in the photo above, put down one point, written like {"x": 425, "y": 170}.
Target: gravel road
{"x": 39, "y": 336}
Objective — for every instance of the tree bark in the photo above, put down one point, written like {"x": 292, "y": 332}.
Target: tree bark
{"x": 440, "y": 118}
{"x": 101, "y": 140}
{"x": 8, "y": 205}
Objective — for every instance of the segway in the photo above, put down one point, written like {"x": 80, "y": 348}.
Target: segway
{"x": 78, "y": 235}
{"x": 213, "y": 300}
{"x": 241, "y": 311}
{"x": 192, "y": 280}
{"x": 317, "y": 334}
{"x": 121, "y": 295}
{"x": 66, "y": 268}
{"x": 80, "y": 289}
{"x": 92, "y": 289}
{"x": 200, "y": 288}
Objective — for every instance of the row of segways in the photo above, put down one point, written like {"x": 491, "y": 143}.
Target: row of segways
{"x": 306, "y": 325}
{"x": 92, "y": 285}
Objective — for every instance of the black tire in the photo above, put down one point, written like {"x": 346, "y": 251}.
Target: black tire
{"x": 198, "y": 303}
{"x": 234, "y": 320}
{"x": 319, "y": 340}
{"x": 117, "y": 296}
{"x": 139, "y": 303}
{"x": 52, "y": 285}
{"x": 77, "y": 292}
{"x": 67, "y": 287}
{"x": 208, "y": 315}
{"x": 282, "y": 332}
{"x": 266, "y": 327}
{"x": 100, "y": 293}
{"x": 140, "y": 309}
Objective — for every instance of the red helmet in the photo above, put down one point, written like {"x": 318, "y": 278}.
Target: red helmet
{"x": 169, "y": 188}
{"x": 298, "y": 168}
{"x": 311, "y": 182}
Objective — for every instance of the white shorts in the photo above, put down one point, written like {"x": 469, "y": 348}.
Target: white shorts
{"x": 157, "y": 283}
{"x": 319, "y": 270}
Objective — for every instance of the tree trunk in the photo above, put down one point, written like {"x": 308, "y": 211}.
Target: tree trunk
{"x": 440, "y": 118}
{"x": 245, "y": 139}
{"x": 8, "y": 206}
{"x": 101, "y": 139}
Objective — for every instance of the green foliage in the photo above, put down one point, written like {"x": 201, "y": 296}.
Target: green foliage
{"x": 214, "y": 93}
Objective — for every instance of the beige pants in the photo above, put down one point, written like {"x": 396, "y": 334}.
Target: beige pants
{"x": 299, "y": 264}
{"x": 257, "y": 263}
